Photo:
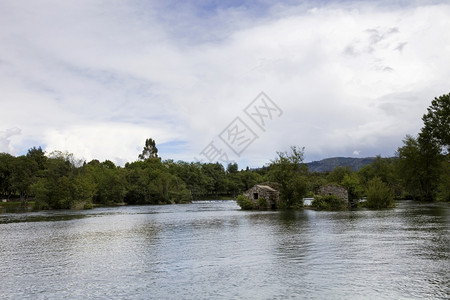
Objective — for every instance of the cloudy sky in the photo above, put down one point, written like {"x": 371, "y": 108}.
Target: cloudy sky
{"x": 96, "y": 78}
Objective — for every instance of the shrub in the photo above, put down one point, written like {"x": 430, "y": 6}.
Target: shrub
{"x": 262, "y": 203}
{"x": 328, "y": 202}
{"x": 88, "y": 205}
{"x": 379, "y": 194}
{"x": 244, "y": 202}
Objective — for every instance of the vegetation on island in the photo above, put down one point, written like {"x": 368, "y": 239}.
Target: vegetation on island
{"x": 328, "y": 202}
{"x": 244, "y": 202}
{"x": 379, "y": 194}
{"x": 420, "y": 170}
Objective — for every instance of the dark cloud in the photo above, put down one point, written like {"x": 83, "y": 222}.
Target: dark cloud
{"x": 98, "y": 80}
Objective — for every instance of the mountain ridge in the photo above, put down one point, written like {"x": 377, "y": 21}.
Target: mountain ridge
{"x": 328, "y": 164}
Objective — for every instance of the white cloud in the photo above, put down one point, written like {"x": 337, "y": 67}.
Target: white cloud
{"x": 97, "y": 80}
{"x": 113, "y": 141}
{"x": 5, "y": 139}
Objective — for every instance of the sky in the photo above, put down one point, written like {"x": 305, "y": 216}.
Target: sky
{"x": 219, "y": 80}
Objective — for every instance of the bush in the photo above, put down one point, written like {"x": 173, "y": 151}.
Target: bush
{"x": 379, "y": 194}
{"x": 244, "y": 202}
{"x": 88, "y": 205}
{"x": 262, "y": 203}
{"x": 328, "y": 202}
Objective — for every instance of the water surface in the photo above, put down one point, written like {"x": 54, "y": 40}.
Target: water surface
{"x": 213, "y": 250}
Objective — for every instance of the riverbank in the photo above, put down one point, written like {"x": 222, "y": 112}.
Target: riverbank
{"x": 19, "y": 207}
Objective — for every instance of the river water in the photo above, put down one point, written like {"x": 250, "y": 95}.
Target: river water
{"x": 213, "y": 250}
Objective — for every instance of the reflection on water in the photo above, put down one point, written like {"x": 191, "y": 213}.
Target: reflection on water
{"x": 213, "y": 250}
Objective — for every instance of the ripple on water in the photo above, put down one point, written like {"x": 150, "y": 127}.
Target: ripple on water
{"x": 213, "y": 250}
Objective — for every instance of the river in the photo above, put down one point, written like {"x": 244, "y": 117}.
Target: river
{"x": 213, "y": 250}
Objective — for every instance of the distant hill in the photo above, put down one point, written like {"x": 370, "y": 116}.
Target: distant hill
{"x": 328, "y": 164}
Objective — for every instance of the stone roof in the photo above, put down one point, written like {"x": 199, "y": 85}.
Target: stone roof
{"x": 266, "y": 187}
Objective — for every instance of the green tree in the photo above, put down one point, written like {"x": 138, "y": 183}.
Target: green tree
{"x": 315, "y": 181}
{"x": 52, "y": 188}
{"x": 192, "y": 175}
{"x": 149, "y": 151}
{"x": 244, "y": 202}
{"x": 232, "y": 168}
{"x": 215, "y": 179}
{"x": 443, "y": 189}
{"x": 290, "y": 172}
{"x": 109, "y": 180}
{"x": 384, "y": 168}
{"x": 351, "y": 182}
{"x": 431, "y": 152}
{"x": 22, "y": 175}
{"x": 248, "y": 179}
{"x": 38, "y": 156}
{"x": 167, "y": 188}
{"x": 436, "y": 122}
{"x": 107, "y": 164}
{"x": 136, "y": 182}
{"x": 419, "y": 168}
{"x": 151, "y": 182}
{"x": 338, "y": 174}
{"x": 6, "y": 162}
{"x": 63, "y": 185}
{"x": 379, "y": 194}
{"x": 82, "y": 190}
{"x": 328, "y": 202}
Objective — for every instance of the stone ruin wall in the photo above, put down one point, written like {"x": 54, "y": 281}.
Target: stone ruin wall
{"x": 338, "y": 191}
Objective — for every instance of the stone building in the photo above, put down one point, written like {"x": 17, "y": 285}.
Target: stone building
{"x": 260, "y": 191}
{"x": 331, "y": 189}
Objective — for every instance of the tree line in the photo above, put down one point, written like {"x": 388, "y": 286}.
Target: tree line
{"x": 420, "y": 170}
{"x": 59, "y": 181}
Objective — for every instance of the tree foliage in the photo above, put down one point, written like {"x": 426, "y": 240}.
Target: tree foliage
{"x": 419, "y": 168}
{"x": 290, "y": 172}
{"x": 443, "y": 189}
{"x": 328, "y": 202}
{"x": 149, "y": 151}
{"x": 436, "y": 122}
{"x": 422, "y": 161}
{"x": 245, "y": 203}
{"x": 38, "y": 156}
{"x": 379, "y": 194}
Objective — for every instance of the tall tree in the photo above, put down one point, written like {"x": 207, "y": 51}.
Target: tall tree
{"x": 436, "y": 129}
{"x": 6, "y": 163}
{"x": 38, "y": 155}
{"x": 109, "y": 181}
{"x": 22, "y": 171}
{"x": 232, "y": 168}
{"x": 422, "y": 161}
{"x": 149, "y": 151}
{"x": 338, "y": 174}
{"x": 290, "y": 172}
{"x": 215, "y": 178}
{"x": 419, "y": 167}
{"x": 443, "y": 193}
